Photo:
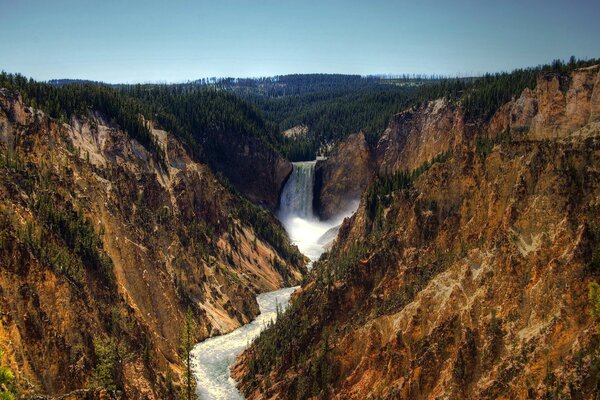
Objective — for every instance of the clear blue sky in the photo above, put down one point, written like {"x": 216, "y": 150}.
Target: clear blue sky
{"x": 150, "y": 40}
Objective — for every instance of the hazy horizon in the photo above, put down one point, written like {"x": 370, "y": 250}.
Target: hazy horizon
{"x": 148, "y": 41}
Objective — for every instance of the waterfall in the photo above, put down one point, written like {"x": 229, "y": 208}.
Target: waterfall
{"x": 296, "y": 211}
{"x": 297, "y": 195}
{"x": 213, "y": 357}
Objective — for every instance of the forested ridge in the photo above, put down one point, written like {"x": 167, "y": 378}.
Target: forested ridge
{"x": 333, "y": 106}
{"x": 333, "y": 115}
{"x": 83, "y": 99}
{"x": 330, "y": 106}
{"x": 191, "y": 115}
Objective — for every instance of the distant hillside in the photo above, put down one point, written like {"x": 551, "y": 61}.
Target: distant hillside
{"x": 62, "y": 82}
{"x": 335, "y": 106}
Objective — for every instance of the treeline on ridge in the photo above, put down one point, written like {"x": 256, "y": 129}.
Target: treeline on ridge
{"x": 331, "y": 106}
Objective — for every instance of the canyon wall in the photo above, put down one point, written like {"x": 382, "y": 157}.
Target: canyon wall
{"x": 559, "y": 106}
{"x": 101, "y": 243}
{"x": 417, "y": 135}
{"x": 254, "y": 169}
{"x": 469, "y": 280}
{"x": 341, "y": 178}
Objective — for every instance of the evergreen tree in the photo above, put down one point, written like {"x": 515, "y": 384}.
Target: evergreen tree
{"x": 188, "y": 340}
{"x": 8, "y": 389}
{"x": 107, "y": 369}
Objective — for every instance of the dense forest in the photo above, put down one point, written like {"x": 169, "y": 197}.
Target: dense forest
{"x": 329, "y": 106}
{"x": 333, "y": 106}
{"x": 193, "y": 116}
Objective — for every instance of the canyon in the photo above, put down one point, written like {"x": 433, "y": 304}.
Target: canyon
{"x": 165, "y": 238}
{"x": 465, "y": 277}
{"x": 449, "y": 256}
{"x": 214, "y": 357}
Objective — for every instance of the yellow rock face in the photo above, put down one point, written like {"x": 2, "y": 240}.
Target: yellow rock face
{"x": 172, "y": 234}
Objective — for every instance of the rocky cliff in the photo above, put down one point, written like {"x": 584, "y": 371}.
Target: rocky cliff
{"x": 559, "y": 106}
{"x": 411, "y": 138}
{"x": 419, "y": 134}
{"x": 103, "y": 248}
{"x": 466, "y": 279}
{"x": 341, "y": 178}
{"x": 256, "y": 170}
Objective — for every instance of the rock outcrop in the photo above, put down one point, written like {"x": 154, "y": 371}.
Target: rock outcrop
{"x": 341, "y": 178}
{"x": 103, "y": 247}
{"x": 419, "y": 134}
{"x": 468, "y": 282}
{"x": 559, "y": 106}
{"x": 255, "y": 170}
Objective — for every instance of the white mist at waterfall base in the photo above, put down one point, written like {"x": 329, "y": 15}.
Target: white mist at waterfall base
{"x": 213, "y": 357}
{"x": 297, "y": 215}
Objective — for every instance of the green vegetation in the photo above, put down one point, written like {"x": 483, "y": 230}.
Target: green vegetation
{"x": 198, "y": 115}
{"x": 485, "y": 144}
{"x": 195, "y": 116}
{"x": 77, "y": 233}
{"x": 125, "y": 340}
{"x": 331, "y": 106}
{"x": 8, "y": 384}
{"x": 282, "y": 345}
{"x": 107, "y": 369}
{"x": 334, "y": 106}
{"x": 594, "y": 228}
{"x": 66, "y": 242}
{"x": 489, "y": 92}
{"x": 80, "y": 99}
{"x": 51, "y": 253}
{"x": 188, "y": 340}
{"x": 480, "y": 97}
{"x": 594, "y": 297}
{"x": 379, "y": 194}
{"x": 61, "y": 237}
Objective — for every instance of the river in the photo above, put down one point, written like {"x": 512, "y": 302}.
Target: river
{"x": 213, "y": 357}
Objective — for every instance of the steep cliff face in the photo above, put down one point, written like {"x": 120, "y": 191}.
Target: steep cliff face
{"x": 101, "y": 244}
{"x": 254, "y": 169}
{"x": 340, "y": 179}
{"x": 411, "y": 138}
{"x": 559, "y": 106}
{"x": 419, "y": 134}
{"x": 469, "y": 280}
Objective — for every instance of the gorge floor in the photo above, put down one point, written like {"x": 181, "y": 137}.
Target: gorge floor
{"x": 214, "y": 357}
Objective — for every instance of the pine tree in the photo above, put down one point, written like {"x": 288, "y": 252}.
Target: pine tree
{"x": 7, "y": 382}
{"x": 106, "y": 369}
{"x": 188, "y": 340}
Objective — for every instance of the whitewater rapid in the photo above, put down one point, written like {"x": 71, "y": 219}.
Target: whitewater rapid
{"x": 213, "y": 357}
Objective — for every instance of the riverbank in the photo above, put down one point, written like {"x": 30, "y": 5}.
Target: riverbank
{"x": 213, "y": 357}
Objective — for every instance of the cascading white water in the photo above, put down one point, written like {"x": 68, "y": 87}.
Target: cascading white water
{"x": 297, "y": 195}
{"x": 214, "y": 356}
{"x": 296, "y": 211}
